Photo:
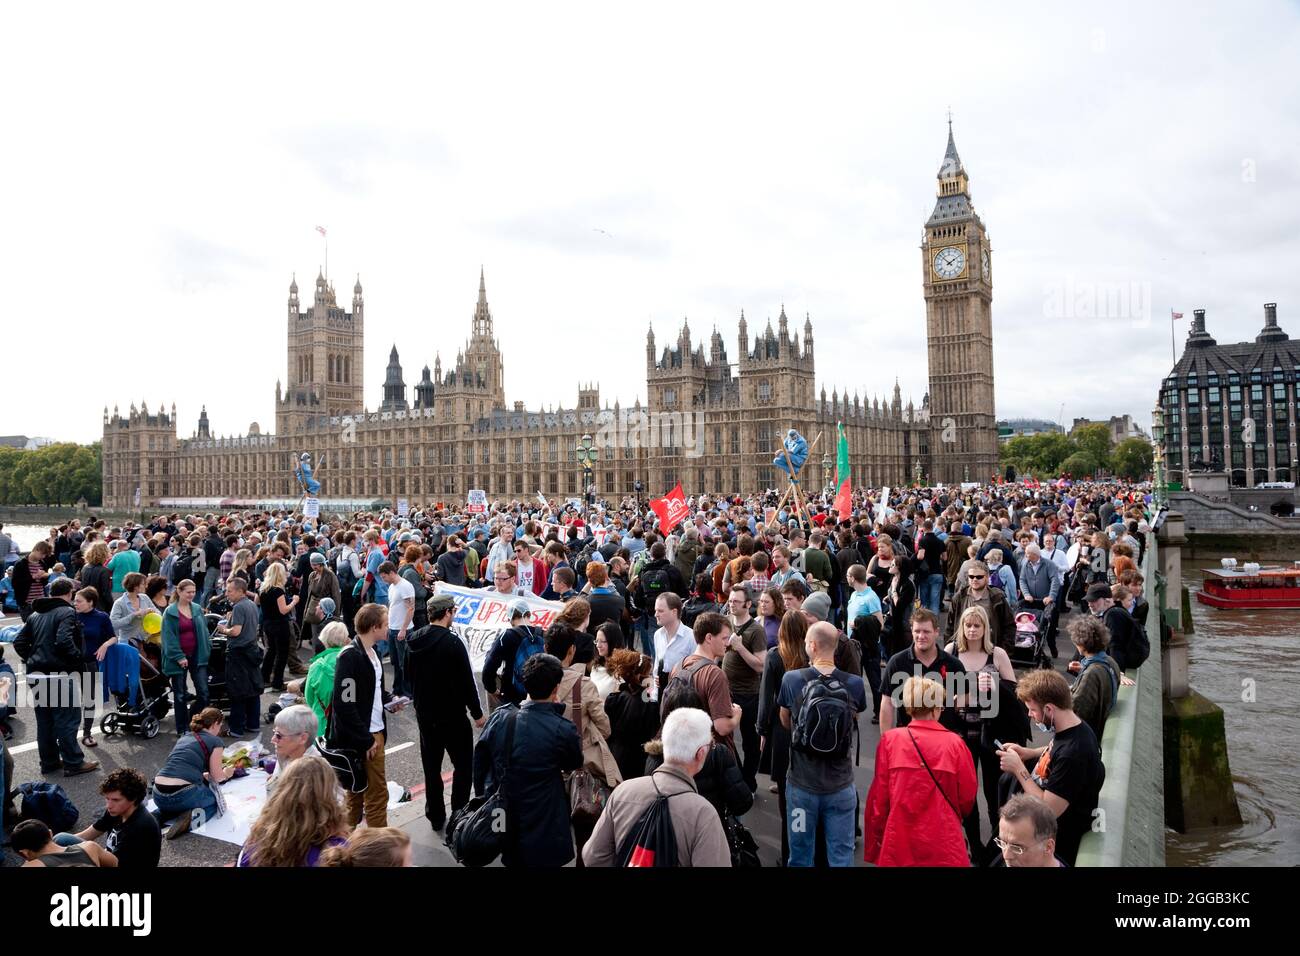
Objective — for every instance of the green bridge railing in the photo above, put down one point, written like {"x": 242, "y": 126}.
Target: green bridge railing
{"x": 1129, "y": 825}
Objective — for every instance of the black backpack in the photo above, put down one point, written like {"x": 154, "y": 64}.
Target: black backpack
{"x": 183, "y": 568}
{"x": 655, "y": 582}
{"x": 824, "y": 718}
{"x": 652, "y": 841}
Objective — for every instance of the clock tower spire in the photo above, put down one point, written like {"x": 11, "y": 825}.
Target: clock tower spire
{"x": 958, "y": 289}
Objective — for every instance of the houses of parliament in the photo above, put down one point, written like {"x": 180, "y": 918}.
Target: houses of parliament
{"x": 710, "y": 422}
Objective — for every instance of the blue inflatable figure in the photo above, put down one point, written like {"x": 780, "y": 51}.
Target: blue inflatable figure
{"x": 797, "y": 448}
{"x": 303, "y": 473}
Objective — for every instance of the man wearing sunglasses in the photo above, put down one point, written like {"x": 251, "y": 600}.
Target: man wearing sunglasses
{"x": 977, "y": 593}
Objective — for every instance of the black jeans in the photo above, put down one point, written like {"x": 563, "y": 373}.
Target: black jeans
{"x": 245, "y": 715}
{"x": 451, "y": 736}
{"x": 989, "y": 768}
{"x": 749, "y": 737}
{"x": 277, "y": 656}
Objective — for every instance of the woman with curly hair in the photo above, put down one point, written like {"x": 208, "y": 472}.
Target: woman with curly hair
{"x": 633, "y": 717}
{"x": 303, "y": 818}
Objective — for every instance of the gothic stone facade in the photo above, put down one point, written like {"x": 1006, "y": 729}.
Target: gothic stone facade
{"x": 709, "y": 423}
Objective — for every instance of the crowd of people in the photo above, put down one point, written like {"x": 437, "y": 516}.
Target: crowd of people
{"x": 681, "y": 664}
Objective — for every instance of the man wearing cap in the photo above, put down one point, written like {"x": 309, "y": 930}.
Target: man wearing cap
{"x": 1128, "y": 646}
{"x": 443, "y": 688}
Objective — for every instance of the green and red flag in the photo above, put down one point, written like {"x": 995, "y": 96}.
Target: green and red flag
{"x": 844, "y": 486}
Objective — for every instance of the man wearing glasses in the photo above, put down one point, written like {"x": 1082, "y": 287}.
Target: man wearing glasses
{"x": 1027, "y": 833}
{"x": 505, "y": 582}
{"x": 977, "y": 593}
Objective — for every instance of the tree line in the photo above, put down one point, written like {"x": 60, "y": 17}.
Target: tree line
{"x": 54, "y": 475}
{"x": 1087, "y": 451}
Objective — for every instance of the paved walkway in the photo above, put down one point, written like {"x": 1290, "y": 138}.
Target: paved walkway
{"x": 403, "y": 766}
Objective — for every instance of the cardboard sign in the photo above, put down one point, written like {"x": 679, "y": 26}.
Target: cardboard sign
{"x": 403, "y": 507}
{"x": 477, "y": 502}
{"x": 311, "y": 508}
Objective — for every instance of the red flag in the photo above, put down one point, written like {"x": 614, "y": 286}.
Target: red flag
{"x": 671, "y": 509}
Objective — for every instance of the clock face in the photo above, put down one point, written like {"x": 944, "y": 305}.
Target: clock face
{"x": 949, "y": 263}
{"x": 984, "y": 263}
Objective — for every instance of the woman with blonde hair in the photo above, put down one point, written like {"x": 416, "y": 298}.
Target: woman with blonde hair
{"x": 790, "y": 654}
{"x": 372, "y": 847}
{"x": 242, "y": 566}
{"x": 986, "y": 712}
{"x": 923, "y": 789}
{"x": 302, "y": 819}
{"x": 276, "y": 616}
{"x": 95, "y": 574}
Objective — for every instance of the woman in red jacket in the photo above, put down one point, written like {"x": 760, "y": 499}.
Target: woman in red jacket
{"x": 925, "y": 785}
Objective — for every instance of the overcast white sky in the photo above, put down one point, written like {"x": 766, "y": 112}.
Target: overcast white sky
{"x": 163, "y": 169}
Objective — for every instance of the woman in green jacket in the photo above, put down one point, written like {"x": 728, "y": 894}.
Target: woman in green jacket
{"x": 185, "y": 650}
{"x": 317, "y": 688}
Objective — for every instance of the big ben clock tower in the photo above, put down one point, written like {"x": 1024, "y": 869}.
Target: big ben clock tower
{"x": 958, "y": 283}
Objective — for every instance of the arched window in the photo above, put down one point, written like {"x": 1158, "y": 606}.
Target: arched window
{"x": 331, "y": 368}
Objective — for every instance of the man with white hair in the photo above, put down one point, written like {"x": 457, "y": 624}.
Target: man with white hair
{"x": 697, "y": 829}
{"x": 294, "y": 737}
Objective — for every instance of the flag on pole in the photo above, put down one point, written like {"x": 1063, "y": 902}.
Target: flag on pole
{"x": 1175, "y": 315}
{"x": 844, "y": 485}
{"x": 671, "y": 509}
{"x": 321, "y": 230}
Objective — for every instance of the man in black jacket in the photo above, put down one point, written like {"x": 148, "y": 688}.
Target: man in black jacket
{"x": 546, "y": 746}
{"x": 655, "y": 577}
{"x": 358, "y": 719}
{"x": 50, "y": 644}
{"x": 442, "y": 683}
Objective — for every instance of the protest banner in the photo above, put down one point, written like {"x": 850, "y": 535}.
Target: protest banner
{"x": 311, "y": 507}
{"x": 403, "y": 507}
{"x": 476, "y": 502}
{"x": 482, "y": 615}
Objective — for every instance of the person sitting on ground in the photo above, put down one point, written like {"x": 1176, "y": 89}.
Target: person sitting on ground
{"x": 387, "y": 847}
{"x": 134, "y": 836}
{"x": 303, "y": 818}
{"x": 33, "y": 841}
{"x": 294, "y": 737}
{"x": 181, "y": 786}
{"x": 1027, "y": 833}
{"x": 687, "y": 745}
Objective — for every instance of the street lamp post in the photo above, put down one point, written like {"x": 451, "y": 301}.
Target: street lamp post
{"x": 586, "y": 455}
{"x": 1158, "y": 455}
{"x": 826, "y": 473}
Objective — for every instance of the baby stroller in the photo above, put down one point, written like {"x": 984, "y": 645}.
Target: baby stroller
{"x": 217, "y": 694}
{"x": 1031, "y": 642}
{"x": 152, "y": 694}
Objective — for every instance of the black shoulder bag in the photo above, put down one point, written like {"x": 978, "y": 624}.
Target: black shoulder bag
{"x": 479, "y": 831}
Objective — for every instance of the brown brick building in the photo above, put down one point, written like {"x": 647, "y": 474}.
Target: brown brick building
{"x": 710, "y": 422}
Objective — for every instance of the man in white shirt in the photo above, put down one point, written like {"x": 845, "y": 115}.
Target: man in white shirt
{"x": 673, "y": 642}
{"x": 401, "y": 611}
{"x": 1053, "y": 553}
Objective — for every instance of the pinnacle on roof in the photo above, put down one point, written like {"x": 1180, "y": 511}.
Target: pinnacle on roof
{"x": 951, "y": 161}
{"x": 356, "y": 289}
{"x": 293, "y": 283}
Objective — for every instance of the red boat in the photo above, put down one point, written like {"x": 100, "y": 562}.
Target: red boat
{"x": 1262, "y": 588}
